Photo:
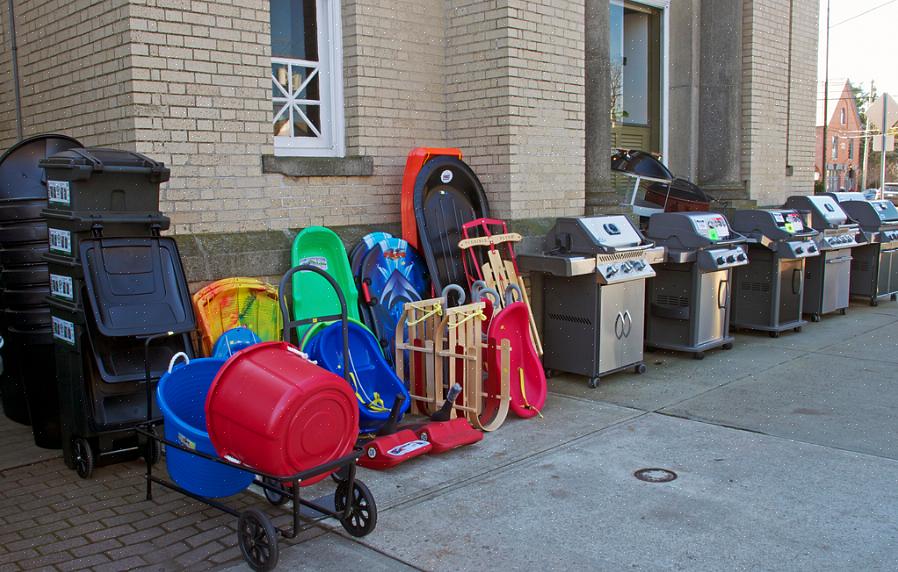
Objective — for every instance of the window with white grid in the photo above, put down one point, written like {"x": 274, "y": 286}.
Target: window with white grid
{"x": 307, "y": 78}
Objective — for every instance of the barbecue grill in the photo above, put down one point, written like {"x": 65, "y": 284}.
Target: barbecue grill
{"x": 592, "y": 275}
{"x": 688, "y": 301}
{"x": 828, "y": 276}
{"x": 874, "y": 268}
{"x": 768, "y": 291}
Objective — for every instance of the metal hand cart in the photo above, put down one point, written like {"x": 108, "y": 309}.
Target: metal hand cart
{"x": 354, "y": 505}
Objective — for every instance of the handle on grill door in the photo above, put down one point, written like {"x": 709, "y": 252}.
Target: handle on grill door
{"x": 619, "y": 326}
{"x": 839, "y": 260}
{"x": 628, "y": 323}
{"x": 723, "y": 288}
{"x": 796, "y": 277}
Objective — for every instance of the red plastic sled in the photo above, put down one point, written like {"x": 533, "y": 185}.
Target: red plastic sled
{"x": 414, "y": 162}
{"x": 448, "y": 435}
{"x": 527, "y": 379}
{"x": 387, "y": 451}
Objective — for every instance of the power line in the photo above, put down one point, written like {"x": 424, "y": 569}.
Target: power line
{"x": 863, "y": 13}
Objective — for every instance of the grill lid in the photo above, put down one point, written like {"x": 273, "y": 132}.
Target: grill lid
{"x": 825, "y": 210}
{"x": 594, "y": 235}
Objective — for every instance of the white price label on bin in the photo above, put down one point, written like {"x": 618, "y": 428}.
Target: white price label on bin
{"x": 61, "y": 286}
{"x": 58, "y": 192}
{"x": 64, "y": 330}
{"x": 61, "y": 241}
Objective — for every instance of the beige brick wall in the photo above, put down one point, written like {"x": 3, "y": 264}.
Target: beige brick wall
{"x": 202, "y": 86}
{"x": 7, "y": 97}
{"x": 516, "y": 99}
{"x": 74, "y": 69}
{"x": 771, "y": 102}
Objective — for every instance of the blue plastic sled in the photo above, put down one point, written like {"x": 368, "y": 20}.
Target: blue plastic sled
{"x": 356, "y": 257}
{"x": 376, "y": 386}
{"x": 392, "y": 274}
{"x": 233, "y": 341}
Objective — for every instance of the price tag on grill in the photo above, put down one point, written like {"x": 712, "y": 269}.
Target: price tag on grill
{"x": 60, "y": 241}
{"x": 64, "y": 330}
{"x": 58, "y": 192}
{"x": 61, "y": 286}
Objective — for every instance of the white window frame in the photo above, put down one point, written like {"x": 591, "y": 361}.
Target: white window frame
{"x": 843, "y": 117}
{"x": 835, "y": 150}
{"x": 332, "y": 140}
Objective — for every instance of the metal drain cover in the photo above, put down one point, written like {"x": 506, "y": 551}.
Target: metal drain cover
{"x": 655, "y": 475}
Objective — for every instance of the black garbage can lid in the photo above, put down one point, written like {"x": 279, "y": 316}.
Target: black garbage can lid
{"x": 136, "y": 286}
{"x": 81, "y": 164}
{"x": 21, "y": 177}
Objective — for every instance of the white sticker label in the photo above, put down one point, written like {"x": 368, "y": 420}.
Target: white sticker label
{"x": 58, "y": 192}
{"x": 60, "y": 241}
{"x": 778, "y": 217}
{"x": 446, "y": 177}
{"x": 184, "y": 441}
{"x": 316, "y": 261}
{"x": 406, "y": 448}
{"x": 64, "y": 330}
{"x": 61, "y": 286}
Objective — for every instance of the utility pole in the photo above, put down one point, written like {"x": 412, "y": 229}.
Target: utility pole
{"x": 882, "y": 168}
{"x": 826, "y": 103}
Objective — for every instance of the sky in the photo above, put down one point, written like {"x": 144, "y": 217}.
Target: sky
{"x": 863, "y": 47}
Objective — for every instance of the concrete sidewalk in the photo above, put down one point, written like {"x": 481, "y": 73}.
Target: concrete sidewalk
{"x": 784, "y": 448}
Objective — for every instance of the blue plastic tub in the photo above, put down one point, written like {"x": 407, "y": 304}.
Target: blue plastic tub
{"x": 182, "y": 398}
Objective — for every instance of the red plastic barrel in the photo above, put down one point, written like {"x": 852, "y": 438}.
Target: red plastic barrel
{"x": 275, "y": 411}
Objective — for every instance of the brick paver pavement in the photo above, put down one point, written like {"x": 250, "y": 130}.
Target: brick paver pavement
{"x": 51, "y": 519}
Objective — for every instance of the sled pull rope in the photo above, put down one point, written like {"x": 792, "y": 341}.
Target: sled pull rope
{"x": 438, "y": 311}
{"x": 524, "y": 394}
{"x": 477, "y": 314}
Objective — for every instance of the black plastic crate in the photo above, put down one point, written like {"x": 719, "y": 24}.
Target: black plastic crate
{"x": 103, "y": 180}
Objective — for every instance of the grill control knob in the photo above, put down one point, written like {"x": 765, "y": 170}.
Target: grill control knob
{"x": 611, "y": 271}
{"x": 798, "y": 250}
{"x": 720, "y": 260}
{"x": 740, "y": 257}
{"x": 812, "y": 248}
{"x": 731, "y": 259}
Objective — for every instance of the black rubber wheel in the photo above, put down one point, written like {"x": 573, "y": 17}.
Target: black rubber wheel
{"x": 773, "y": 334}
{"x": 843, "y": 311}
{"x": 550, "y": 373}
{"x": 874, "y": 302}
{"x": 593, "y": 382}
{"x": 257, "y": 539}
{"x": 152, "y": 449}
{"x": 698, "y": 355}
{"x": 83, "y": 457}
{"x": 363, "y": 511}
{"x": 639, "y": 368}
{"x": 275, "y": 498}
{"x": 797, "y": 330}
{"x": 816, "y": 317}
{"x": 893, "y": 297}
{"x": 340, "y": 475}
{"x": 728, "y": 346}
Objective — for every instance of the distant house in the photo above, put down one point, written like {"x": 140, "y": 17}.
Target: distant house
{"x": 843, "y": 145}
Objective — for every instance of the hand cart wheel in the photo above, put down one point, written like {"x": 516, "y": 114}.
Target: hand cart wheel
{"x": 258, "y": 540}
{"x": 152, "y": 451}
{"x": 362, "y": 517}
{"x": 593, "y": 382}
{"x": 275, "y": 498}
{"x": 84, "y": 457}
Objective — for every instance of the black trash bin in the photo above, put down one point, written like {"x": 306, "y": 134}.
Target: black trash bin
{"x": 105, "y": 180}
{"x": 128, "y": 288}
{"x": 28, "y": 359}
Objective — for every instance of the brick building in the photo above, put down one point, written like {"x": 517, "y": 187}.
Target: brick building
{"x": 275, "y": 115}
{"x": 843, "y": 145}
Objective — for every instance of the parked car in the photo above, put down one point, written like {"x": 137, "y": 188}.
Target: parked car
{"x": 890, "y": 192}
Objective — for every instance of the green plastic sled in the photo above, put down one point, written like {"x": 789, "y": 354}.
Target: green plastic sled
{"x": 312, "y": 295}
